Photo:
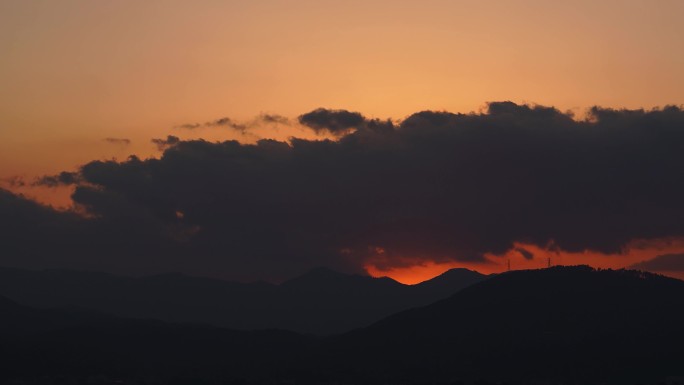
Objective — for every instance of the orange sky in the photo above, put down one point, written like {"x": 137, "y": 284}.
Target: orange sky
{"x": 75, "y": 72}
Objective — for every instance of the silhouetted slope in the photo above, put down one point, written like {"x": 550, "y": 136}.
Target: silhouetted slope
{"x": 564, "y": 325}
{"x": 321, "y": 298}
{"x": 17, "y": 320}
{"x": 321, "y": 301}
{"x": 50, "y": 346}
{"x": 450, "y": 281}
{"x": 560, "y": 323}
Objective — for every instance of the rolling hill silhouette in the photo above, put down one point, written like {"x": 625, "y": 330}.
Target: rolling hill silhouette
{"x": 17, "y": 320}
{"x": 562, "y": 323}
{"x": 48, "y": 346}
{"x": 321, "y": 301}
{"x": 559, "y": 325}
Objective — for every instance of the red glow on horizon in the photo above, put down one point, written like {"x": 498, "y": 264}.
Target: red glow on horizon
{"x": 411, "y": 275}
{"x": 637, "y": 251}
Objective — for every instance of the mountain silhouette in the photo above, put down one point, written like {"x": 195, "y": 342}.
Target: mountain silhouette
{"x": 321, "y": 301}
{"x": 450, "y": 281}
{"x": 17, "y": 320}
{"x": 48, "y": 346}
{"x": 563, "y": 323}
{"x": 558, "y": 325}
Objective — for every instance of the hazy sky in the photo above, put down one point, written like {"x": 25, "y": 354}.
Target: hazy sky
{"x": 76, "y": 72}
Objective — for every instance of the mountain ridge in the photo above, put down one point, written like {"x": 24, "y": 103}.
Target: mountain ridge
{"x": 551, "y": 326}
{"x": 609, "y": 323}
{"x": 321, "y": 301}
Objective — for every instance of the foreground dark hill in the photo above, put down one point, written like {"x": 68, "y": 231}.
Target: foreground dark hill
{"x": 562, "y": 323}
{"x": 48, "y": 346}
{"x": 321, "y": 301}
{"x": 17, "y": 320}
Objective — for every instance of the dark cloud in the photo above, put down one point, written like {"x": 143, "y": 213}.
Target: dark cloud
{"x": 114, "y": 236}
{"x": 273, "y": 118}
{"x": 337, "y": 122}
{"x": 226, "y": 122}
{"x": 664, "y": 263}
{"x": 221, "y": 122}
{"x": 61, "y": 179}
{"x": 525, "y": 253}
{"x": 260, "y": 120}
{"x": 14, "y": 181}
{"x": 438, "y": 186}
{"x": 123, "y": 141}
{"x": 165, "y": 143}
{"x": 189, "y": 126}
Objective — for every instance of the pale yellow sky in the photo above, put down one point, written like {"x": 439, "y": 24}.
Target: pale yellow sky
{"x": 75, "y": 72}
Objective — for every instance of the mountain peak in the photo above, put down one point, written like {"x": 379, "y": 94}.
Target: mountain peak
{"x": 454, "y": 279}
{"x": 459, "y": 271}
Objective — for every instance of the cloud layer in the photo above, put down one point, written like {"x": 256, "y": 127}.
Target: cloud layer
{"x": 438, "y": 186}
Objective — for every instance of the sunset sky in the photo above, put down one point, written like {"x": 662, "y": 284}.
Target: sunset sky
{"x": 82, "y": 81}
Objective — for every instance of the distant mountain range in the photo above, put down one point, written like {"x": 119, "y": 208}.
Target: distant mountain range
{"x": 321, "y": 301}
{"x": 557, "y": 325}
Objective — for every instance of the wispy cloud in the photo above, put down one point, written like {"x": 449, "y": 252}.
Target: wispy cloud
{"x": 226, "y": 122}
{"x": 121, "y": 141}
{"x": 220, "y": 122}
